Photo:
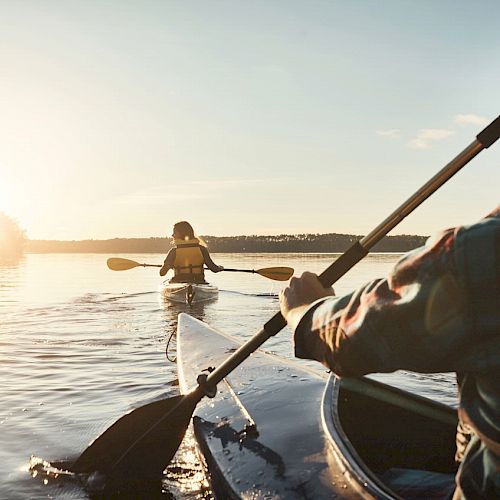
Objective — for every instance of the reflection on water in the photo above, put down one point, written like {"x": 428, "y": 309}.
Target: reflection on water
{"x": 186, "y": 476}
{"x": 81, "y": 345}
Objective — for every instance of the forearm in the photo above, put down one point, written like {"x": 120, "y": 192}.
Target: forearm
{"x": 319, "y": 336}
{"x": 382, "y": 329}
{"x": 209, "y": 262}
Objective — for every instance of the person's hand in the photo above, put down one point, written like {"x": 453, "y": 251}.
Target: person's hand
{"x": 300, "y": 292}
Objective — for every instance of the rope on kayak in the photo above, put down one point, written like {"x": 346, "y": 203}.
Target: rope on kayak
{"x": 172, "y": 360}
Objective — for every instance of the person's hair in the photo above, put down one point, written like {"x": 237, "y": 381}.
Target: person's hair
{"x": 186, "y": 232}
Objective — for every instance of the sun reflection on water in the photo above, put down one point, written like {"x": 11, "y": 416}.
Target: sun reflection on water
{"x": 186, "y": 476}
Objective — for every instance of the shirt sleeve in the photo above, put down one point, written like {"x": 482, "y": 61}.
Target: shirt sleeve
{"x": 414, "y": 319}
{"x": 208, "y": 260}
{"x": 169, "y": 259}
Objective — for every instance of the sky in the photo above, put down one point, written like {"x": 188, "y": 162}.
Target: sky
{"x": 119, "y": 118}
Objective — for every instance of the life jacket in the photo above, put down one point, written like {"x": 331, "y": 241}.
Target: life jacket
{"x": 189, "y": 261}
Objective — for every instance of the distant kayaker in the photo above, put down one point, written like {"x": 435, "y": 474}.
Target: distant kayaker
{"x": 188, "y": 257}
{"x": 437, "y": 311}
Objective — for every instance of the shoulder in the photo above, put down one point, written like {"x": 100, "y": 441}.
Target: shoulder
{"x": 171, "y": 254}
{"x": 467, "y": 249}
{"x": 477, "y": 247}
{"x": 481, "y": 237}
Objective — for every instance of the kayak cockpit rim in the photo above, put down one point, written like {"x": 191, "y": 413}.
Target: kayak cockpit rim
{"x": 354, "y": 468}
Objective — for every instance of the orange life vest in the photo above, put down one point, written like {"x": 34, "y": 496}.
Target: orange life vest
{"x": 189, "y": 260}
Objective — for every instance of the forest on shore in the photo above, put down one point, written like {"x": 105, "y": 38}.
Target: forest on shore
{"x": 296, "y": 243}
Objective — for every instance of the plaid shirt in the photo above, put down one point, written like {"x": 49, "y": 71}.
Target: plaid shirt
{"x": 437, "y": 311}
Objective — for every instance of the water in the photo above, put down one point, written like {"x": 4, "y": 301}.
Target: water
{"x": 81, "y": 345}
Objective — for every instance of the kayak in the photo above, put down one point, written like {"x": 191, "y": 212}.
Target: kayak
{"x": 188, "y": 293}
{"x": 278, "y": 429}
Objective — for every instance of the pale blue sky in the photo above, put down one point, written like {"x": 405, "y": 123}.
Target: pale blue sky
{"x": 118, "y": 118}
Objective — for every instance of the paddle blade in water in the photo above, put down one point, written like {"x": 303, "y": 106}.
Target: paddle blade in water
{"x": 277, "y": 273}
{"x": 118, "y": 264}
{"x": 139, "y": 445}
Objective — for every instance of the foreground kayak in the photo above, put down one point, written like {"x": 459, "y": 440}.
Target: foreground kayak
{"x": 276, "y": 429}
{"x": 188, "y": 293}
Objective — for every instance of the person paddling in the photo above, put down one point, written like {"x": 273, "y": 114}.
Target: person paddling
{"x": 189, "y": 256}
{"x": 437, "y": 311}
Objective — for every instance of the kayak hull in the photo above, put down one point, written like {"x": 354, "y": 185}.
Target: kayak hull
{"x": 276, "y": 429}
{"x": 188, "y": 293}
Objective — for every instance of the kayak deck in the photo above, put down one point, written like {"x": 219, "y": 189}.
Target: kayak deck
{"x": 285, "y": 457}
{"x": 274, "y": 431}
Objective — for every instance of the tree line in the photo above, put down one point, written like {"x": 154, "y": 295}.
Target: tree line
{"x": 300, "y": 243}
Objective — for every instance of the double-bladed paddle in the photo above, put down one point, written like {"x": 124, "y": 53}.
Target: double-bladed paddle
{"x": 141, "y": 443}
{"x": 273, "y": 273}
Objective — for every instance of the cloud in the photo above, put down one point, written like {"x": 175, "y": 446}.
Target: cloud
{"x": 434, "y": 134}
{"x": 392, "y": 133}
{"x": 470, "y": 120}
{"x": 428, "y": 135}
{"x": 418, "y": 144}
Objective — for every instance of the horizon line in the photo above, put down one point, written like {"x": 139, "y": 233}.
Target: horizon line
{"x": 224, "y": 236}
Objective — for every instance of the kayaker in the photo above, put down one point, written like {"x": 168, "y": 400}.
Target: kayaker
{"x": 188, "y": 257}
{"x": 437, "y": 311}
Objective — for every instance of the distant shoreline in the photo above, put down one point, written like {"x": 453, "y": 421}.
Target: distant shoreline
{"x": 284, "y": 243}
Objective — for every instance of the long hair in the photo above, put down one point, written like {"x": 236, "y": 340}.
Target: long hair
{"x": 186, "y": 232}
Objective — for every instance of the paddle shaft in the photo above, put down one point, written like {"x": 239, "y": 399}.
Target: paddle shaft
{"x": 238, "y": 270}
{"x": 225, "y": 269}
{"x": 255, "y": 271}
{"x": 241, "y": 270}
{"x": 357, "y": 251}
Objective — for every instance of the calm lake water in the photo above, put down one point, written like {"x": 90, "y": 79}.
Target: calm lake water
{"x": 82, "y": 345}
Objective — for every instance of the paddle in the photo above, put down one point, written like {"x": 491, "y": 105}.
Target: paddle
{"x": 273, "y": 273}
{"x": 119, "y": 264}
{"x": 144, "y": 441}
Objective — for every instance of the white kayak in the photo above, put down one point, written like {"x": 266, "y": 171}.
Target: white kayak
{"x": 188, "y": 293}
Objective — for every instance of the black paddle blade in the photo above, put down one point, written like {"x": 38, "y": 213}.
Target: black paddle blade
{"x": 141, "y": 443}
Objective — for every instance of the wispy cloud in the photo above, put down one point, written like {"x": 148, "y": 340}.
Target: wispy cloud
{"x": 428, "y": 135}
{"x": 392, "y": 133}
{"x": 425, "y": 137}
{"x": 471, "y": 120}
